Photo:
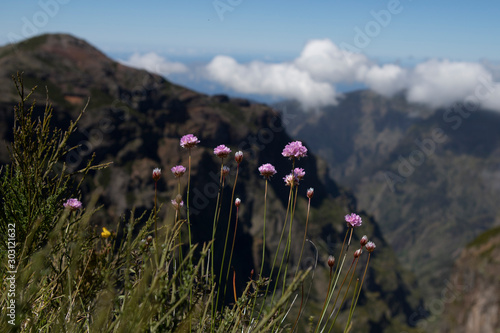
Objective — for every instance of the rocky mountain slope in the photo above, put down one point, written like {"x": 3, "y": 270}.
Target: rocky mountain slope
{"x": 135, "y": 119}
{"x": 431, "y": 177}
{"x": 474, "y": 305}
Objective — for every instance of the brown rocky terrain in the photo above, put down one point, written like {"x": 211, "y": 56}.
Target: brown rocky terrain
{"x": 474, "y": 306}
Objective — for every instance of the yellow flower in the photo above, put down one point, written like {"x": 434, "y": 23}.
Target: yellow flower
{"x": 105, "y": 233}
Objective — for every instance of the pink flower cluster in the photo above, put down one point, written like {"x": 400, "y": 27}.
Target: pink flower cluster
{"x": 178, "y": 171}
{"x": 72, "y": 204}
{"x": 353, "y": 220}
{"x": 267, "y": 170}
{"x": 189, "y": 141}
{"x": 222, "y": 151}
{"x": 291, "y": 179}
{"x": 299, "y": 173}
{"x": 294, "y": 150}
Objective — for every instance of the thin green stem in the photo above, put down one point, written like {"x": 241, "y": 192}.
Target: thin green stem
{"x": 326, "y": 297}
{"x": 189, "y": 227}
{"x": 304, "y": 240}
{"x": 336, "y": 275}
{"x": 225, "y": 242}
{"x": 345, "y": 294}
{"x": 264, "y": 233}
{"x": 231, "y": 255}
{"x": 359, "y": 291}
{"x": 276, "y": 254}
{"x": 351, "y": 310}
{"x": 286, "y": 247}
{"x": 212, "y": 277}
{"x": 187, "y": 198}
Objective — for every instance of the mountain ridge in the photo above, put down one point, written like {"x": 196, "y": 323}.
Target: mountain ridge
{"x": 430, "y": 176}
{"x": 135, "y": 119}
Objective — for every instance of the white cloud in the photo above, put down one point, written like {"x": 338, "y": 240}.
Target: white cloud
{"x": 489, "y": 95}
{"x": 311, "y": 77}
{"x": 326, "y": 62}
{"x": 386, "y": 80}
{"x": 155, "y": 63}
{"x": 439, "y": 83}
{"x": 283, "y": 80}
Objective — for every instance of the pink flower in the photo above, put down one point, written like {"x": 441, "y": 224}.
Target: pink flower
{"x": 156, "y": 174}
{"x": 225, "y": 171}
{"x": 177, "y": 205}
{"x": 178, "y": 171}
{"x": 290, "y": 180}
{"x": 222, "y": 151}
{"x": 237, "y": 202}
{"x": 267, "y": 170}
{"x": 310, "y": 192}
{"x": 370, "y": 246}
{"x": 294, "y": 150}
{"x": 238, "y": 157}
{"x": 299, "y": 173}
{"x": 354, "y": 220}
{"x": 72, "y": 204}
{"x": 189, "y": 141}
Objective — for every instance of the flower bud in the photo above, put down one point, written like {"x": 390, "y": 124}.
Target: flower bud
{"x": 363, "y": 240}
{"x": 156, "y": 174}
{"x": 237, "y": 202}
{"x": 225, "y": 171}
{"x": 370, "y": 246}
{"x": 238, "y": 157}
{"x": 331, "y": 261}
{"x": 310, "y": 192}
{"x": 357, "y": 254}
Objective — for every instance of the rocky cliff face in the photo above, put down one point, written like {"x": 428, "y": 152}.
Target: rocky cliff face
{"x": 431, "y": 177}
{"x": 475, "y": 308}
{"x": 135, "y": 119}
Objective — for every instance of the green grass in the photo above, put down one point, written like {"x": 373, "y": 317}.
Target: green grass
{"x": 484, "y": 237}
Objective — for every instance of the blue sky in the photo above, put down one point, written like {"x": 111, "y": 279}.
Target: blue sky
{"x": 462, "y": 30}
{"x": 193, "y": 33}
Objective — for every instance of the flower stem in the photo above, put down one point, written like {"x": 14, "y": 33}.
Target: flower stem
{"x": 345, "y": 294}
{"x": 304, "y": 240}
{"x": 359, "y": 291}
{"x": 264, "y": 234}
{"x": 187, "y": 198}
{"x": 227, "y": 236}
